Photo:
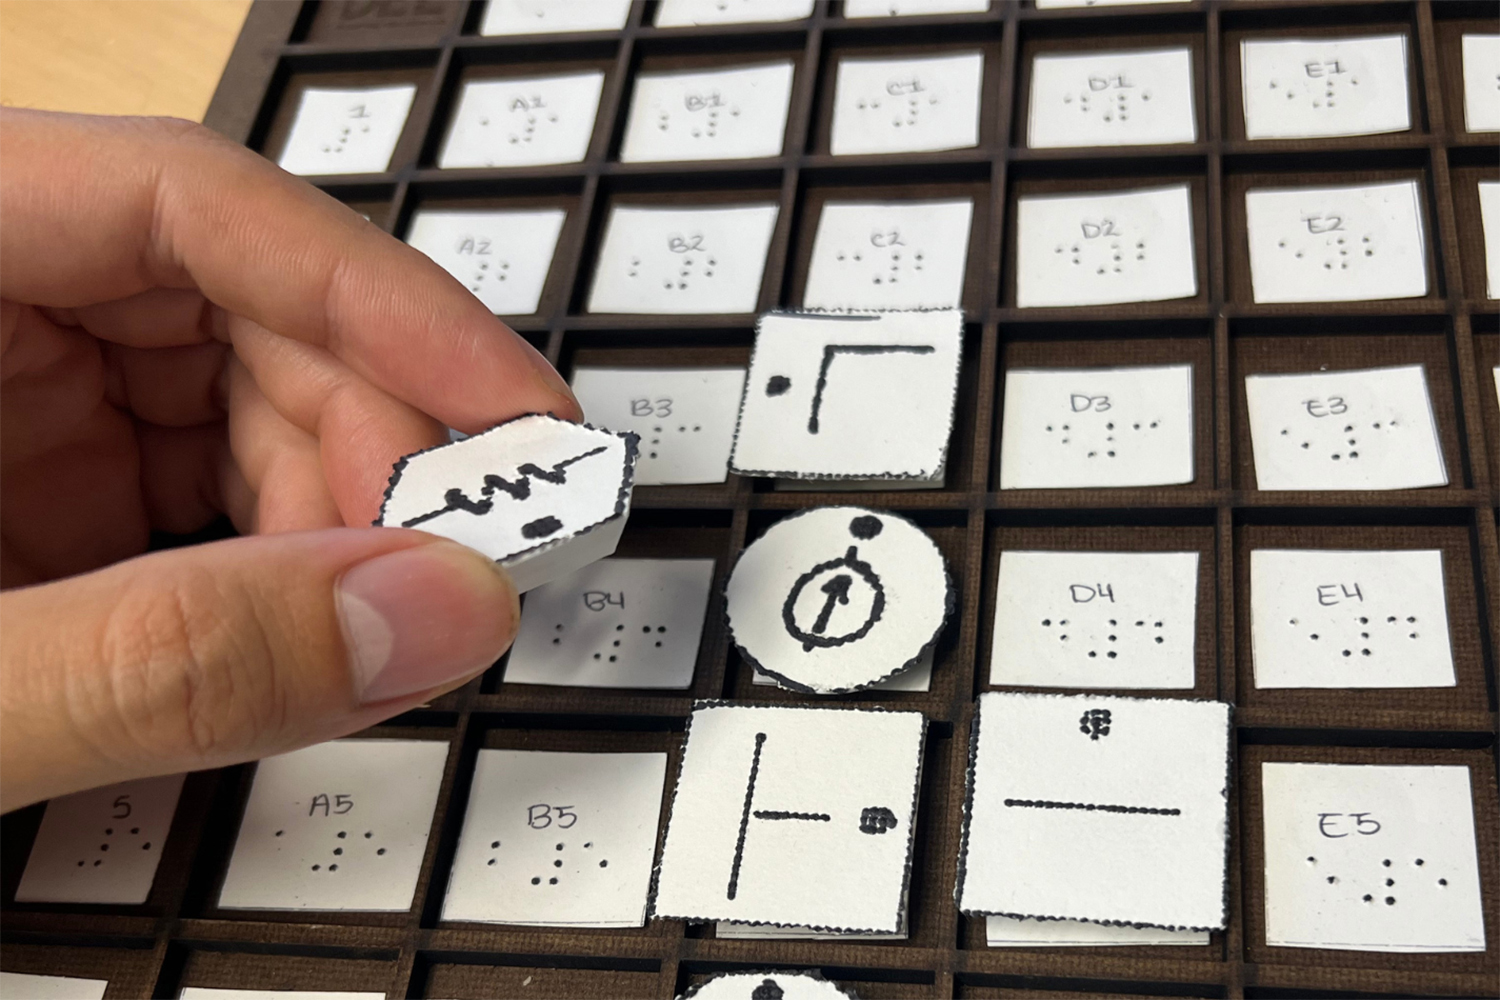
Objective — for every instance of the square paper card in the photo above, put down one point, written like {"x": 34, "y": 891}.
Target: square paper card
{"x": 889, "y": 255}
{"x": 682, "y": 260}
{"x": 557, "y": 839}
{"x": 1356, "y": 430}
{"x": 1136, "y": 98}
{"x": 685, "y": 417}
{"x": 1077, "y": 428}
{"x": 1320, "y": 618}
{"x": 1109, "y": 810}
{"x": 102, "y": 845}
{"x": 1304, "y": 89}
{"x": 22, "y": 984}
{"x": 722, "y": 114}
{"x": 799, "y": 817}
{"x": 1481, "y": 56}
{"x": 1369, "y": 858}
{"x": 523, "y": 122}
{"x": 1095, "y": 619}
{"x": 346, "y": 131}
{"x": 1008, "y": 932}
{"x": 692, "y": 13}
{"x": 1102, "y": 249}
{"x": 906, "y": 105}
{"x": 502, "y": 257}
{"x": 1336, "y": 244}
{"x": 535, "y": 17}
{"x": 1489, "y": 219}
{"x": 619, "y": 623}
{"x": 336, "y": 826}
{"x": 912, "y": 8}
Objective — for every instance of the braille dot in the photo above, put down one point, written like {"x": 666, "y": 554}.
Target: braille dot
{"x": 338, "y": 850}
{"x": 536, "y": 881}
{"x": 1390, "y": 901}
{"x": 380, "y": 850}
{"x": 1331, "y": 879}
{"x": 552, "y": 881}
{"x": 1442, "y": 881}
{"x": 280, "y": 832}
{"x": 494, "y": 844}
{"x": 559, "y": 847}
{"x": 317, "y": 867}
{"x": 1390, "y": 881}
{"x": 135, "y": 829}
{"x": 1368, "y": 897}
{"x": 557, "y": 864}
{"x": 1046, "y": 621}
{"x": 663, "y": 628}
{"x": 1419, "y": 862}
{"x": 604, "y": 864}
{"x": 109, "y": 831}
{"x": 491, "y": 861}
{"x": 343, "y": 834}
{"x": 1386, "y": 862}
{"x": 646, "y": 628}
{"x": 103, "y": 847}
{"x": 1160, "y": 640}
{"x": 619, "y": 628}
{"x": 146, "y": 846}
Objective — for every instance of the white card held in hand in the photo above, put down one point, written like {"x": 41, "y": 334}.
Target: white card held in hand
{"x": 912, "y": 8}
{"x": 793, "y": 816}
{"x": 1134, "y": 98}
{"x": 834, "y": 599}
{"x": 1321, "y": 618}
{"x": 850, "y": 396}
{"x": 535, "y": 17}
{"x": 555, "y": 839}
{"x": 1489, "y": 219}
{"x": 1103, "y": 249}
{"x": 502, "y": 257}
{"x": 889, "y": 255}
{"x": 620, "y": 623}
{"x": 1371, "y": 429}
{"x": 102, "y": 845}
{"x": 779, "y": 984}
{"x": 722, "y": 114}
{"x": 1095, "y": 619}
{"x": 19, "y": 985}
{"x": 906, "y": 105}
{"x": 1009, "y": 932}
{"x": 682, "y": 260}
{"x": 346, "y": 131}
{"x": 1336, "y": 244}
{"x": 1080, "y": 428}
{"x": 691, "y": 13}
{"x": 685, "y": 417}
{"x": 1371, "y": 858}
{"x": 1481, "y": 56}
{"x": 336, "y": 826}
{"x": 1109, "y": 810}
{"x": 523, "y": 122}
{"x": 1313, "y": 88}
{"x": 542, "y": 497}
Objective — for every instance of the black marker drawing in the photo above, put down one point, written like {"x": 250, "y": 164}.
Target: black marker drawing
{"x": 876, "y": 819}
{"x": 768, "y": 989}
{"x": 1094, "y": 723}
{"x": 1092, "y": 807}
{"x": 837, "y": 588}
{"x": 829, "y": 353}
{"x": 520, "y": 489}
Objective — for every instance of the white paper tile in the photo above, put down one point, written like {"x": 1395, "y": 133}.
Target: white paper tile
{"x": 502, "y": 257}
{"x": 784, "y": 985}
{"x": 689, "y": 13}
{"x": 1371, "y": 429}
{"x": 1310, "y": 88}
{"x": 523, "y": 122}
{"x": 1008, "y": 932}
{"x": 722, "y": 114}
{"x": 1321, "y": 618}
{"x": 682, "y": 260}
{"x": 725, "y": 930}
{"x": 532, "y": 17}
{"x": 1095, "y": 619}
{"x": 912, "y": 8}
{"x": 793, "y": 816}
{"x": 24, "y": 986}
{"x": 223, "y": 993}
{"x": 620, "y": 623}
{"x": 1371, "y": 858}
{"x": 1481, "y": 56}
{"x": 818, "y": 397}
{"x": 906, "y": 105}
{"x": 1059, "y": 4}
{"x": 558, "y": 839}
{"x": 1107, "y": 248}
{"x": 336, "y": 826}
{"x": 889, "y": 255}
{"x": 834, "y": 599}
{"x": 1098, "y": 809}
{"x": 1131, "y": 98}
{"x": 102, "y": 845}
{"x": 1489, "y": 217}
{"x": 918, "y": 678}
{"x": 1336, "y": 244}
{"x": 346, "y": 130}
{"x": 685, "y": 417}
{"x": 1077, "y": 428}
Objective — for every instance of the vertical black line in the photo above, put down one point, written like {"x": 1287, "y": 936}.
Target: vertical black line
{"x": 739, "y": 846}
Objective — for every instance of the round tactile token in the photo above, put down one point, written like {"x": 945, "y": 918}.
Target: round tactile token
{"x": 835, "y": 599}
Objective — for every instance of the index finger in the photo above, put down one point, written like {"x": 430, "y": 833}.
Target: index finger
{"x": 98, "y": 209}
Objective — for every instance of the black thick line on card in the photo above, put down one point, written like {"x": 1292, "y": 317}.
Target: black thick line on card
{"x": 950, "y": 601}
{"x": 968, "y": 817}
{"x": 831, "y": 351}
{"x": 1091, "y": 807}
{"x": 902, "y": 901}
{"x": 555, "y": 475}
{"x": 765, "y": 975}
{"x": 519, "y": 489}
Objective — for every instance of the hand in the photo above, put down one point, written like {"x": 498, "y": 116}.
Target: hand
{"x": 186, "y": 331}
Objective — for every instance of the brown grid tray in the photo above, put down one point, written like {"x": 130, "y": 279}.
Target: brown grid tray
{"x": 180, "y": 938}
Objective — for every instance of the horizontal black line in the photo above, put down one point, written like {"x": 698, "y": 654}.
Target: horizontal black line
{"x": 1091, "y": 807}
{"x": 780, "y": 814}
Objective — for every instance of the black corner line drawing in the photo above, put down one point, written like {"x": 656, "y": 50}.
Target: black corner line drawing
{"x": 831, "y": 351}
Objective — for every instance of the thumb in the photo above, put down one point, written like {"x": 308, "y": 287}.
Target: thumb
{"x": 207, "y": 656}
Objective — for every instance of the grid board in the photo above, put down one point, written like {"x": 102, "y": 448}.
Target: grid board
{"x": 180, "y": 938}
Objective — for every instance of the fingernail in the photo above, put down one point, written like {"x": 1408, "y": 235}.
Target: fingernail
{"x": 549, "y": 376}
{"x": 422, "y": 618}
